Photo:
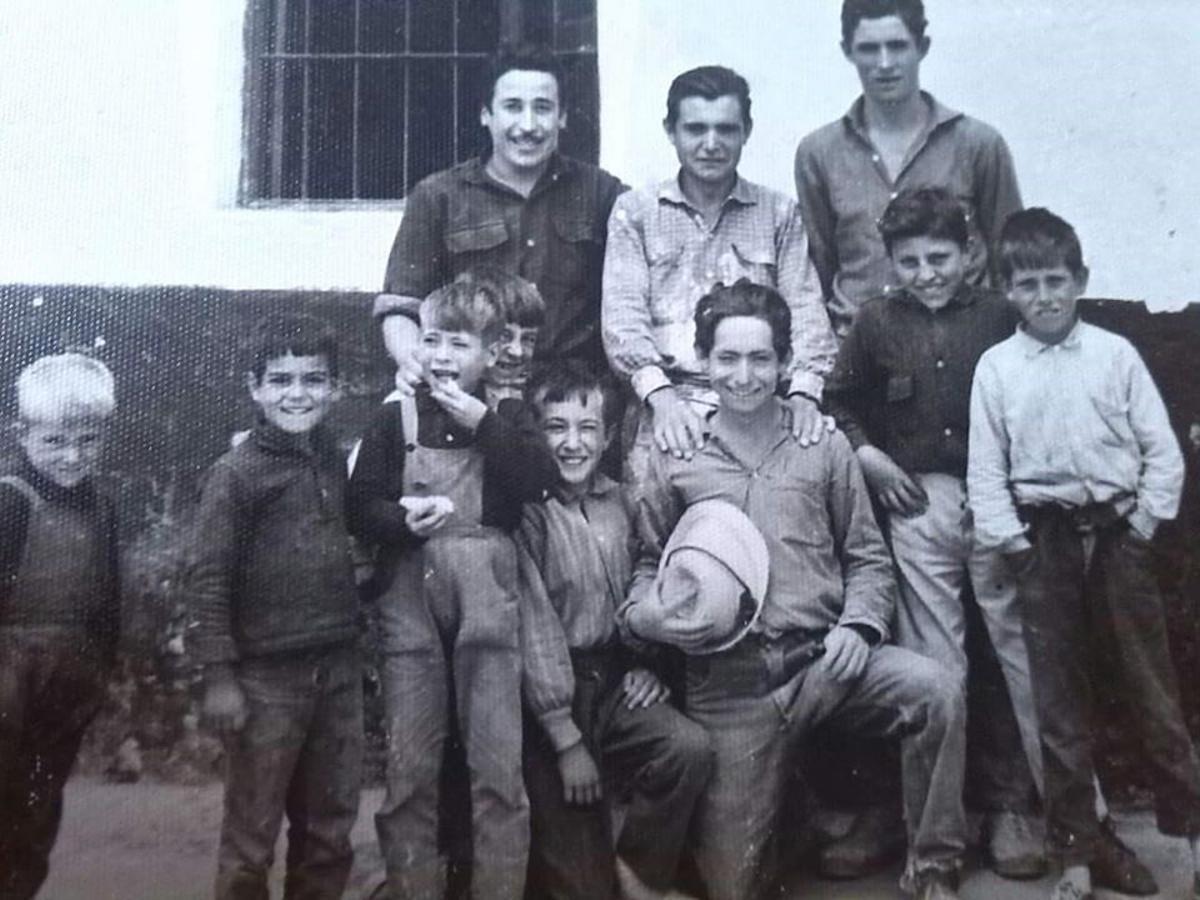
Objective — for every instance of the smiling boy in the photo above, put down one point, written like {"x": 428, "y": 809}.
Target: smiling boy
{"x": 1073, "y": 464}
{"x": 276, "y": 624}
{"x": 438, "y": 487}
{"x": 598, "y": 719}
{"x": 521, "y": 207}
{"x": 816, "y": 655}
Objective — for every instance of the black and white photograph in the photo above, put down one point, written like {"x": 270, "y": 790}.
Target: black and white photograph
{"x": 599, "y": 450}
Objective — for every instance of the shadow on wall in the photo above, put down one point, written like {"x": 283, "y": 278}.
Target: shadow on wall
{"x": 178, "y": 355}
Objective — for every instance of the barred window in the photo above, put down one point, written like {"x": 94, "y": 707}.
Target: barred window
{"x": 359, "y": 99}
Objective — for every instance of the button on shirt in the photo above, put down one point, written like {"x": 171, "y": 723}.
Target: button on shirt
{"x": 462, "y": 218}
{"x": 828, "y": 562}
{"x": 581, "y": 557}
{"x": 662, "y": 258}
{"x": 903, "y": 376}
{"x": 1072, "y": 423}
{"x": 844, "y": 187}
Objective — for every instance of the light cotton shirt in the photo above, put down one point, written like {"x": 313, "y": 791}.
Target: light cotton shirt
{"x": 844, "y": 187}
{"x": 1072, "y": 423}
{"x": 662, "y": 258}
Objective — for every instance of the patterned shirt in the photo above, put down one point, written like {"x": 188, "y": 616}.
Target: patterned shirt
{"x": 463, "y": 218}
{"x": 581, "y": 558}
{"x": 662, "y": 258}
{"x": 1072, "y": 423}
{"x": 828, "y": 562}
{"x": 903, "y": 376}
{"x": 844, "y": 187}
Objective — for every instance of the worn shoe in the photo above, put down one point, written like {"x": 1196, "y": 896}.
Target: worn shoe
{"x": 1117, "y": 868}
{"x": 935, "y": 884}
{"x": 1016, "y": 846}
{"x": 876, "y": 839}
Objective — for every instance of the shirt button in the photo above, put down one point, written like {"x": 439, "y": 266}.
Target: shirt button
{"x": 530, "y": 242}
{"x": 948, "y": 432}
{"x": 941, "y": 364}
{"x": 710, "y": 275}
{"x": 450, "y": 437}
{"x": 895, "y": 194}
{"x": 874, "y": 157}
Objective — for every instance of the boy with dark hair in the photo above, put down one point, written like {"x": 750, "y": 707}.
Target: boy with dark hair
{"x": 1072, "y": 465}
{"x": 59, "y": 603}
{"x": 438, "y": 486}
{"x": 816, "y": 654}
{"x": 277, "y": 624}
{"x": 900, "y": 391}
{"x": 598, "y": 718}
{"x": 524, "y": 314}
{"x": 521, "y": 206}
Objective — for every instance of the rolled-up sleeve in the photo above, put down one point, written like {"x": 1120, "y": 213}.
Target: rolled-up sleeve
{"x": 814, "y": 347}
{"x": 417, "y": 263}
{"x": 625, "y": 317}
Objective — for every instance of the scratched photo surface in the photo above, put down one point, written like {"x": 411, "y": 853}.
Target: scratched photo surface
{"x": 173, "y": 173}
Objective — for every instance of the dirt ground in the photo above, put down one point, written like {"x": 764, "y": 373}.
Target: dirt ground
{"x": 158, "y": 842}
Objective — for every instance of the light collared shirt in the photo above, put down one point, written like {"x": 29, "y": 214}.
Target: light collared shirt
{"x": 581, "y": 560}
{"x": 663, "y": 257}
{"x": 1072, "y": 423}
{"x": 828, "y": 562}
{"x": 844, "y": 187}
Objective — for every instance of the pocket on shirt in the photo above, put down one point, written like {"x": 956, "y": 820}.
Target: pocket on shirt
{"x": 757, "y": 260}
{"x": 576, "y": 255}
{"x": 477, "y": 244}
{"x": 1113, "y": 428}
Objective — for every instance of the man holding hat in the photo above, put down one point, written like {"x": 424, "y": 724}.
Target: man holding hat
{"x": 770, "y": 655}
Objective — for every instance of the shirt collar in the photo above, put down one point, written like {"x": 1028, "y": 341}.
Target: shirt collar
{"x": 601, "y": 486}
{"x": 79, "y": 496}
{"x": 278, "y": 442}
{"x": 1032, "y": 347}
{"x": 742, "y": 193}
{"x": 783, "y": 422}
{"x": 855, "y": 117}
{"x": 965, "y": 296}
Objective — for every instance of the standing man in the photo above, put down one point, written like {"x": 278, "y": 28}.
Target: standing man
{"x": 670, "y": 245}
{"x": 522, "y": 208}
{"x": 894, "y": 136}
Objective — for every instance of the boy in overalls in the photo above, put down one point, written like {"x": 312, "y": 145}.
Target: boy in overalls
{"x": 438, "y": 485}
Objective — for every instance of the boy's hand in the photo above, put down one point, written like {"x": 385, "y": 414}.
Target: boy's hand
{"x": 649, "y": 625}
{"x": 580, "y": 777}
{"x": 425, "y": 515}
{"x": 846, "y": 653}
{"x": 464, "y": 409}
{"x": 898, "y": 493}
{"x": 642, "y": 688}
{"x": 676, "y": 427}
{"x": 808, "y": 424}
{"x": 224, "y": 706}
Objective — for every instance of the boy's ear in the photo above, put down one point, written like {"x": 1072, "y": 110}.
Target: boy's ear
{"x": 251, "y": 383}
{"x": 493, "y": 351}
{"x": 1081, "y": 280}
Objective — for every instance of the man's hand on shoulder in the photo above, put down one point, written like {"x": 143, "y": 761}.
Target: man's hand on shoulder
{"x": 678, "y": 430}
{"x": 808, "y": 423}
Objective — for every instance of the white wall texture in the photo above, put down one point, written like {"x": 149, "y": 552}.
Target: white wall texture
{"x": 122, "y": 130}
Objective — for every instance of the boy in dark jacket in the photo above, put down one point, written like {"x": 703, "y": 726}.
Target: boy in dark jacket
{"x": 277, "y": 625}
{"x": 59, "y": 607}
{"x": 438, "y": 485}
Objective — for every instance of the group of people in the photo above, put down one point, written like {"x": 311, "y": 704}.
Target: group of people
{"x": 675, "y": 484}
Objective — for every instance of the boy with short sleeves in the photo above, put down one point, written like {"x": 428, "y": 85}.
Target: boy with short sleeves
{"x": 438, "y": 486}
{"x": 900, "y": 391}
{"x": 598, "y": 717}
{"x": 277, "y": 625}
{"x": 59, "y": 603}
{"x": 1072, "y": 465}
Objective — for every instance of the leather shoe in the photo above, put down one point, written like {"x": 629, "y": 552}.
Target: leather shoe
{"x": 875, "y": 839}
{"x": 1117, "y": 868}
{"x": 1016, "y": 848}
{"x": 935, "y": 884}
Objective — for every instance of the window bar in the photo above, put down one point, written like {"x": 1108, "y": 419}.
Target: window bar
{"x": 354, "y": 191}
{"x": 305, "y": 113}
{"x": 407, "y": 111}
{"x": 455, "y": 66}
{"x": 277, "y": 68}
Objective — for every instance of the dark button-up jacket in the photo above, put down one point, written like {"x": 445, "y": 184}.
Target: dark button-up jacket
{"x": 271, "y": 569}
{"x": 903, "y": 376}
{"x": 462, "y": 218}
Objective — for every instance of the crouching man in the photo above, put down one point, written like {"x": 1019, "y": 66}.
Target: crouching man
{"x": 813, "y": 654}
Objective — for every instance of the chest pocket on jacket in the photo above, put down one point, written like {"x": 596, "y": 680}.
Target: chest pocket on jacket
{"x": 478, "y": 244}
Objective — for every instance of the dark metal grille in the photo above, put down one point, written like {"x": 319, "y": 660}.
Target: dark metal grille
{"x": 360, "y": 99}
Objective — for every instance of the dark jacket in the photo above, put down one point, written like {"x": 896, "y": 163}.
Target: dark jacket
{"x": 95, "y": 605}
{"x": 270, "y": 567}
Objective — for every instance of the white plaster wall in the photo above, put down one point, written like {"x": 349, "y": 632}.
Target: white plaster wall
{"x": 121, "y": 130}
{"x": 1099, "y": 101}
